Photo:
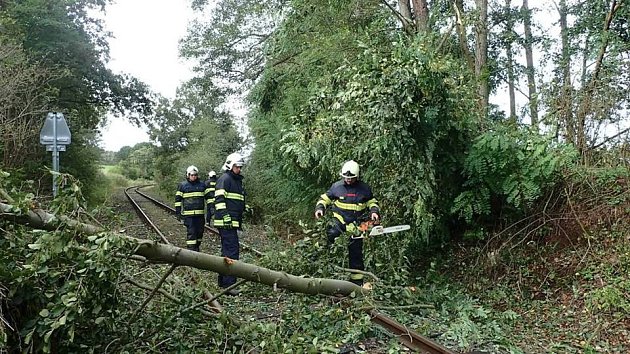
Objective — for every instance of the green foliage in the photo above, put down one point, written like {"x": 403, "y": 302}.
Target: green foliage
{"x": 62, "y": 289}
{"x": 191, "y": 130}
{"x": 136, "y": 162}
{"x": 229, "y": 44}
{"x": 52, "y": 58}
{"x": 507, "y": 171}
{"x": 611, "y": 298}
{"x": 24, "y": 97}
{"x": 65, "y": 35}
{"x": 406, "y": 115}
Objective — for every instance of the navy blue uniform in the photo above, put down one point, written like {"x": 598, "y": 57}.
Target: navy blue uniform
{"x": 190, "y": 200}
{"x": 229, "y": 204}
{"x": 349, "y": 202}
{"x": 211, "y": 184}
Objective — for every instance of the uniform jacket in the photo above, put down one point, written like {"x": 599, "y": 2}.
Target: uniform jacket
{"x": 229, "y": 198}
{"x": 348, "y": 201}
{"x": 211, "y": 184}
{"x": 190, "y": 198}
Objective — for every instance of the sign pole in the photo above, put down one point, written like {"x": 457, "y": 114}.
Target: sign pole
{"x": 55, "y": 135}
{"x": 55, "y": 156}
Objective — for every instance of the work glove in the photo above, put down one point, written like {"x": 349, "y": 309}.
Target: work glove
{"x": 227, "y": 221}
{"x": 353, "y": 229}
{"x": 319, "y": 213}
{"x": 249, "y": 210}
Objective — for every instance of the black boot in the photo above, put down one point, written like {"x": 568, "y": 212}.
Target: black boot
{"x": 358, "y": 282}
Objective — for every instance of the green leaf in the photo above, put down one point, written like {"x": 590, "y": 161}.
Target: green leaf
{"x": 34, "y": 246}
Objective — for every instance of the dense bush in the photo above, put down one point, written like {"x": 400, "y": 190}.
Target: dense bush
{"x": 507, "y": 170}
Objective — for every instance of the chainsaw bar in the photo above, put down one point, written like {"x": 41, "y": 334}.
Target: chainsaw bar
{"x": 380, "y": 230}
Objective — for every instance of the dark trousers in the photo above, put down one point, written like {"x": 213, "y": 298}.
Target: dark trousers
{"x": 229, "y": 248}
{"x": 355, "y": 250}
{"x": 194, "y": 231}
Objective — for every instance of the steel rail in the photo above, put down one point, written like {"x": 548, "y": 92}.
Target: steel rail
{"x": 217, "y": 307}
{"x": 144, "y": 216}
{"x": 210, "y": 229}
{"x": 407, "y": 337}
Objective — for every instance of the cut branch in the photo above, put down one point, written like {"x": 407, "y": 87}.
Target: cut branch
{"x": 154, "y": 251}
{"x": 164, "y": 293}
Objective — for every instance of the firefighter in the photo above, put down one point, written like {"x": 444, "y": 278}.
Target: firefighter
{"x": 190, "y": 200}
{"x": 211, "y": 183}
{"x": 351, "y": 200}
{"x": 229, "y": 205}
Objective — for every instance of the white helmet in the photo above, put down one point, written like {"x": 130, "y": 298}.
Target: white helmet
{"x": 233, "y": 159}
{"x": 212, "y": 174}
{"x": 350, "y": 169}
{"x": 192, "y": 170}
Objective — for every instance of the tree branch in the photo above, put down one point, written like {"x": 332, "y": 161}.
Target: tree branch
{"x": 154, "y": 251}
{"x": 163, "y": 292}
{"x": 155, "y": 290}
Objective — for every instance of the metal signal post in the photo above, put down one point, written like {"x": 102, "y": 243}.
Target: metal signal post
{"x": 55, "y": 135}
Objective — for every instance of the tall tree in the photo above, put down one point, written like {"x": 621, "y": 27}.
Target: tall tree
{"x": 565, "y": 106}
{"x": 63, "y": 39}
{"x": 530, "y": 70}
{"x": 481, "y": 54}
{"x": 421, "y": 15}
{"x": 589, "y": 90}
{"x": 508, "y": 37}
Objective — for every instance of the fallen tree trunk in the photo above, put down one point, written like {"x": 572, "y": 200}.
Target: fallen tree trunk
{"x": 158, "y": 252}
{"x": 251, "y": 272}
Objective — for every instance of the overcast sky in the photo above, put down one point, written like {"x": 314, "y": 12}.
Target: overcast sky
{"x": 144, "y": 44}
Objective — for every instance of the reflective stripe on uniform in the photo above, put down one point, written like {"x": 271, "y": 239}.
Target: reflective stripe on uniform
{"x": 324, "y": 200}
{"x": 372, "y": 203}
{"x": 339, "y": 217}
{"x": 220, "y": 206}
{"x": 236, "y": 196}
{"x": 219, "y": 223}
{"x": 193, "y": 212}
{"x": 191, "y": 242}
{"x": 193, "y": 194}
{"x": 208, "y": 190}
{"x": 356, "y": 276}
{"x": 179, "y": 193}
{"x": 178, "y": 204}
{"x": 210, "y": 201}
{"x": 219, "y": 192}
{"x": 348, "y": 206}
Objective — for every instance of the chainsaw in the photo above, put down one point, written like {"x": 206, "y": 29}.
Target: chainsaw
{"x": 377, "y": 230}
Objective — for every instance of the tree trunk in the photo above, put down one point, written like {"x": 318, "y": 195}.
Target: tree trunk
{"x": 566, "y": 100}
{"x": 481, "y": 55}
{"x": 588, "y": 90}
{"x": 509, "y": 25}
{"x": 531, "y": 78}
{"x": 222, "y": 265}
{"x": 154, "y": 251}
{"x": 458, "y": 7}
{"x": 421, "y": 13}
{"x": 405, "y": 12}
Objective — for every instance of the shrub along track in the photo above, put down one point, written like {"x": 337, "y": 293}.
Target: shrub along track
{"x": 151, "y": 211}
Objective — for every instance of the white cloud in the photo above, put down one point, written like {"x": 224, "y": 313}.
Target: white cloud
{"x": 145, "y": 45}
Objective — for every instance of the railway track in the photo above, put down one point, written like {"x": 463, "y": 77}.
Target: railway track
{"x": 407, "y": 337}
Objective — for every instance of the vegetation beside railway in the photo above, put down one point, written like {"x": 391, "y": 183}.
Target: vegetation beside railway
{"x": 519, "y": 238}
{"x": 490, "y": 297}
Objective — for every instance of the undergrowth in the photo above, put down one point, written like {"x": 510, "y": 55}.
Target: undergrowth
{"x": 562, "y": 271}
